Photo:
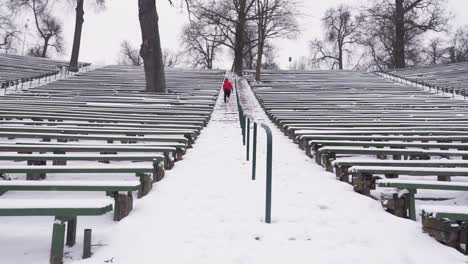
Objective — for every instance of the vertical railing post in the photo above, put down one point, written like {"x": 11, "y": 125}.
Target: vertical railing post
{"x": 254, "y": 152}
{"x": 269, "y": 170}
{"x": 248, "y": 139}
{"x": 243, "y": 126}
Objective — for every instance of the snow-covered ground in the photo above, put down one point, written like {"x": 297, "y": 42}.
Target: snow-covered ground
{"x": 208, "y": 210}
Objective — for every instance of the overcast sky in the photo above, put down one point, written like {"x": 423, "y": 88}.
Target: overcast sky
{"x": 103, "y": 31}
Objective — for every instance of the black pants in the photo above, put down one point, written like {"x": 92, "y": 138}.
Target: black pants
{"x": 227, "y": 94}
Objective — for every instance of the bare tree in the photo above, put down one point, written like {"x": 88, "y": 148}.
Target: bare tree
{"x": 151, "y": 50}
{"x": 250, "y": 47}
{"x": 129, "y": 55}
{"x": 48, "y": 27}
{"x": 394, "y": 27}
{"x": 268, "y": 62}
{"x": 171, "y": 59}
{"x": 232, "y": 17}
{"x": 8, "y": 30}
{"x": 458, "y": 49}
{"x": 202, "y": 42}
{"x": 435, "y": 51}
{"x": 273, "y": 18}
{"x": 79, "y": 20}
{"x": 341, "y": 31}
{"x": 301, "y": 64}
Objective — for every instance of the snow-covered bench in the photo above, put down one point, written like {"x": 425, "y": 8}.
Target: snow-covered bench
{"x": 316, "y": 144}
{"x": 108, "y": 138}
{"x": 326, "y": 155}
{"x": 96, "y": 128}
{"x": 98, "y": 118}
{"x": 304, "y": 141}
{"x": 65, "y": 212}
{"x": 447, "y": 224}
{"x": 61, "y": 159}
{"x": 121, "y": 191}
{"x": 342, "y": 165}
{"x": 304, "y": 130}
{"x": 364, "y": 180}
{"x": 110, "y": 148}
{"x": 307, "y": 135}
{"x": 403, "y": 203}
{"x": 143, "y": 172}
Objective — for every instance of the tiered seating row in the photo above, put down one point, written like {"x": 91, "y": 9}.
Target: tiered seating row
{"x": 16, "y": 69}
{"x": 365, "y": 128}
{"x": 93, "y": 132}
{"x": 444, "y": 77}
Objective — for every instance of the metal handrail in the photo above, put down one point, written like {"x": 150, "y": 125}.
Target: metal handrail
{"x": 245, "y": 121}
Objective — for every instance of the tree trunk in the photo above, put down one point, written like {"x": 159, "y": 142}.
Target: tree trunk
{"x": 151, "y": 51}
{"x": 340, "y": 56}
{"x": 251, "y": 58}
{"x": 258, "y": 67}
{"x": 44, "y": 48}
{"x": 399, "y": 44}
{"x": 77, "y": 37}
{"x": 240, "y": 34}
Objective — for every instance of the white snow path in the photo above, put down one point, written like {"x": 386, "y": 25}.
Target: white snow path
{"x": 207, "y": 210}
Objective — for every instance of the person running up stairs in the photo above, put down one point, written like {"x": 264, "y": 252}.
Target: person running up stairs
{"x": 227, "y": 88}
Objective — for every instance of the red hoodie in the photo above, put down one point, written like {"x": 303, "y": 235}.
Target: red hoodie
{"x": 227, "y": 85}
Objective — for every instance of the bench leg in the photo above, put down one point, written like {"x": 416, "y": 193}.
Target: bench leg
{"x": 190, "y": 140}
{"x": 146, "y": 184}
{"x": 443, "y": 230}
{"x": 71, "y": 232}
{"x": 363, "y": 183}
{"x": 395, "y": 204}
{"x": 342, "y": 173}
{"x": 59, "y": 162}
{"x": 58, "y": 237}
{"x": 178, "y": 155}
{"x": 33, "y": 176}
{"x": 412, "y": 204}
{"x": 87, "y": 244}
{"x": 327, "y": 160}
{"x": 159, "y": 171}
{"x": 444, "y": 178}
{"x": 169, "y": 161}
{"x": 123, "y": 205}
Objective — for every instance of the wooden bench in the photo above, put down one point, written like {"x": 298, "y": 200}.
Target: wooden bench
{"x": 95, "y": 128}
{"x": 123, "y": 202}
{"x": 64, "y": 211}
{"x": 363, "y": 176}
{"x": 342, "y": 165}
{"x": 305, "y": 141}
{"x": 65, "y": 148}
{"x": 146, "y": 182}
{"x": 109, "y": 139}
{"x": 447, "y": 224}
{"x": 403, "y": 203}
{"x": 326, "y": 155}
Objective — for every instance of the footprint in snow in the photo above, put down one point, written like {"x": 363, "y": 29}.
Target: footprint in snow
{"x": 323, "y": 207}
